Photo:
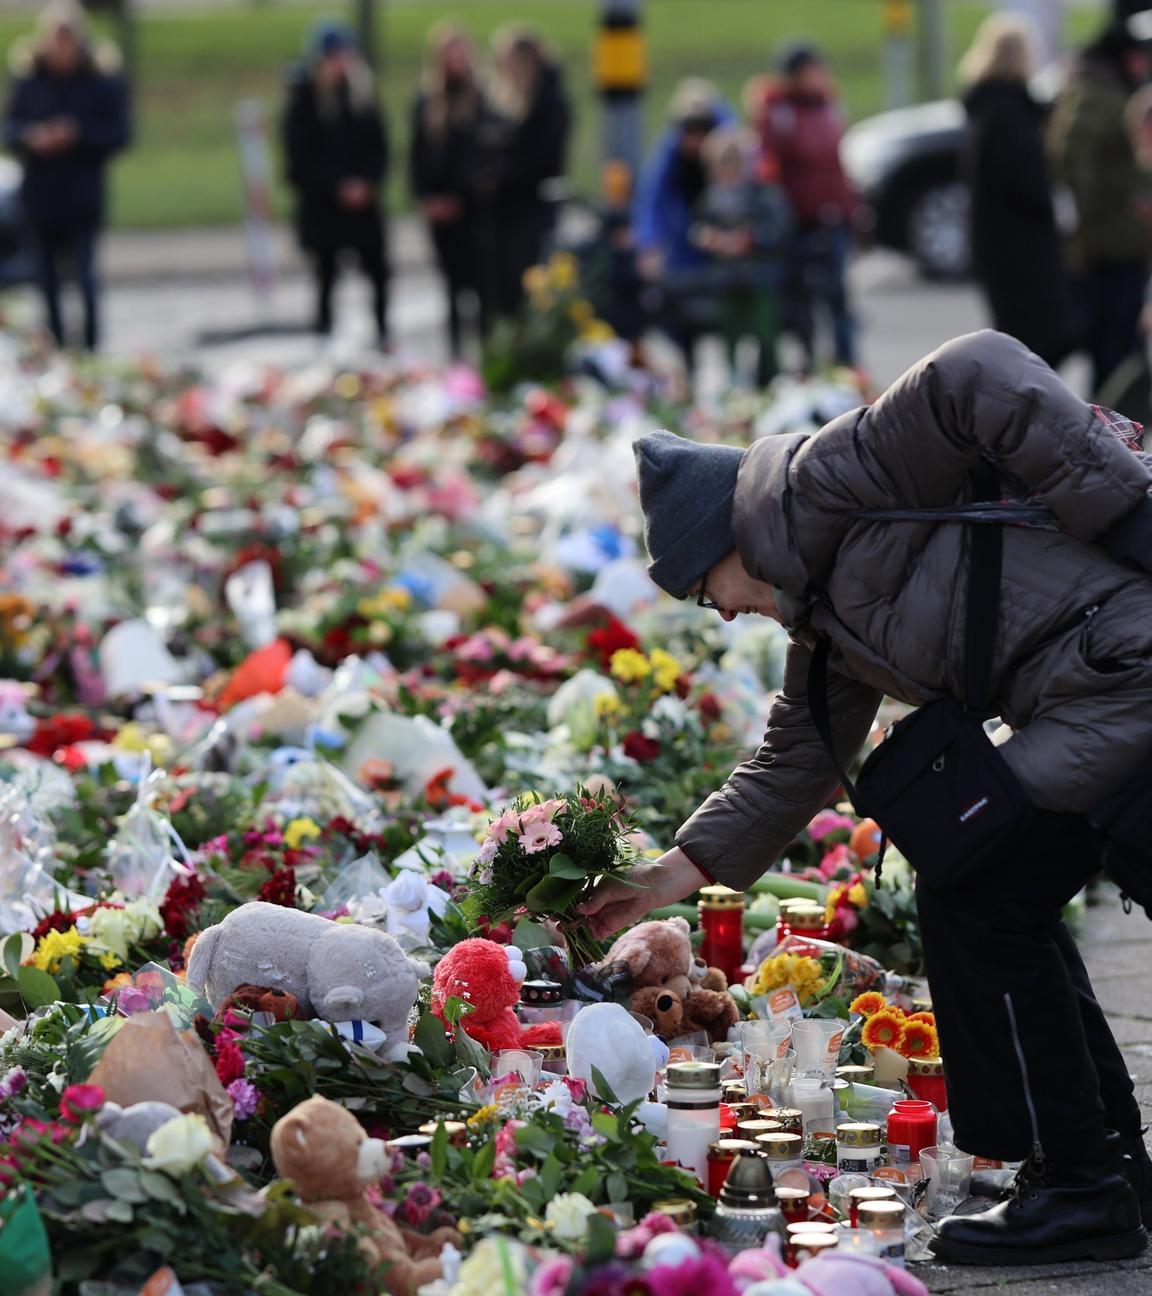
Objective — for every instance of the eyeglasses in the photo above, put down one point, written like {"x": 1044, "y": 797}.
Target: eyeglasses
{"x": 702, "y": 599}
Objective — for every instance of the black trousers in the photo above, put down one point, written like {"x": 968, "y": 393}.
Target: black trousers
{"x": 455, "y": 246}
{"x": 996, "y": 948}
{"x": 58, "y": 252}
{"x": 1113, "y": 293}
{"x": 372, "y": 257}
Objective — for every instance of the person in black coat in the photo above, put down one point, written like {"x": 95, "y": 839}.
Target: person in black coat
{"x": 336, "y": 148}
{"x": 523, "y": 145}
{"x": 1016, "y": 245}
{"x": 445, "y": 117}
{"x": 67, "y": 115}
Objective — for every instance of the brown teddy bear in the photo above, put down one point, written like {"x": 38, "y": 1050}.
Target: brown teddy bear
{"x": 279, "y": 1004}
{"x": 669, "y": 985}
{"x": 324, "y": 1150}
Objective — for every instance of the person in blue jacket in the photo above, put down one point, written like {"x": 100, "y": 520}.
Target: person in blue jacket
{"x": 67, "y": 115}
{"x": 671, "y": 185}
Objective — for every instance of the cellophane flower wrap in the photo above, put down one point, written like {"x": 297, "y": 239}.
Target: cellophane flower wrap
{"x": 541, "y": 856}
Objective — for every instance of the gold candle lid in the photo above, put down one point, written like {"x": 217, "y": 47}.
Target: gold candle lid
{"x": 720, "y": 897}
{"x": 810, "y": 1226}
{"x": 880, "y": 1214}
{"x": 754, "y": 1128}
{"x": 679, "y": 1210}
{"x": 780, "y": 1146}
{"x": 859, "y": 1134}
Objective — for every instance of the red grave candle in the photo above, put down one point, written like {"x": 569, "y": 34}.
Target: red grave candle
{"x": 721, "y": 912}
{"x": 912, "y": 1125}
{"x": 926, "y": 1080}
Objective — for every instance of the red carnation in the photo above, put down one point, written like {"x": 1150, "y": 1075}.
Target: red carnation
{"x": 280, "y": 888}
{"x": 640, "y": 748}
{"x": 229, "y": 1063}
{"x": 79, "y": 1100}
{"x": 608, "y": 639}
{"x": 181, "y": 900}
{"x": 708, "y": 704}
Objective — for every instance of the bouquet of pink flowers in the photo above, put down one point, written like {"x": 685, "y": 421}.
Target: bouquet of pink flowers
{"x": 540, "y": 857}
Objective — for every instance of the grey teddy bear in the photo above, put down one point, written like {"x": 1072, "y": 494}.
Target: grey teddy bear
{"x": 338, "y": 971}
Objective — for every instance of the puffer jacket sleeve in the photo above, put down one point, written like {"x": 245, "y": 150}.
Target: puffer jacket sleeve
{"x": 983, "y": 393}
{"x": 741, "y": 829}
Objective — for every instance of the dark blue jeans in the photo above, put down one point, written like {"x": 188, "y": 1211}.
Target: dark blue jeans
{"x": 818, "y": 288}
{"x": 1113, "y": 301}
{"x": 57, "y": 251}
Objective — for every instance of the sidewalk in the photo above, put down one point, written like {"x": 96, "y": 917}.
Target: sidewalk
{"x": 1118, "y": 951}
{"x": 221, "y": 252}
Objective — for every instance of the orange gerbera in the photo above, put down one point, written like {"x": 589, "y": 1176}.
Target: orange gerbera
{"x": 918, "y": 1040}
{"x": 868, "y": 1003}
{"x": 883, "y": 1029}
{"x": 928, "y": 1018}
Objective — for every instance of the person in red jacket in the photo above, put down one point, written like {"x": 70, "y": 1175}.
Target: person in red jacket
{"x": 800, "y": 126}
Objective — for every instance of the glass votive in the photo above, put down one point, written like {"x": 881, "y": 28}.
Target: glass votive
{"x": 793, "y": 1203}
{"x": 865, "y": 1196}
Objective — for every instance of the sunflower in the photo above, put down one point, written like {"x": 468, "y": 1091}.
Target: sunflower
{"x": 868, "y": 1004}
{"x": 918, "y": 1040}
{"x": 883, "y": 1029}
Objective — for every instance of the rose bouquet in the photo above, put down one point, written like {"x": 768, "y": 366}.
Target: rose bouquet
{"x": 540, "y": 856}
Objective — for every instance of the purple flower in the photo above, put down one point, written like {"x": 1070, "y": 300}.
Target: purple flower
{"x": 131, "y": 1001}
{"x": 443, "y": 879}
{"x": 245, "y": 1098}
{"x": 618, "y": 1279}
{"x": 703, "y": 1275}
{"x": 422, "y": 1199}
{"x": 13, "y": 1082}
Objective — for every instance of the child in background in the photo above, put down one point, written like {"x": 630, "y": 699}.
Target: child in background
{"x": 742, "y": 224}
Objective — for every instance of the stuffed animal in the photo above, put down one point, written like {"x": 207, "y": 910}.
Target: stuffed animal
{"x": 323, "y": 1149}
{"x": 278, "y": 1004}
{"x": 669, "y": 985}
{"x": 762, "y": 1272}
{"x": 337, "y": 971}
{"x": 488, "y": 976}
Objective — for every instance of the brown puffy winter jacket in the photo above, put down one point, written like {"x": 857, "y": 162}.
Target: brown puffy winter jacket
{"x": 1073, "y": 662}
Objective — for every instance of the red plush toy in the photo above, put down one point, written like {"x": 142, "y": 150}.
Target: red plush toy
{"x": 487, "y": 976}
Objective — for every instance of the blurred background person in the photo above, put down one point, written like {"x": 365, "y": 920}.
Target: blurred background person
{"x": 336, "y": 152}
{"x": 672, "y": 183}
{"x": 742, "y": 223}
{"x": 67, "y": 115}
{"x": 522, "y": 154}
{"x": 800, "y": 124}
{"x": 445, "y": 119}
{"x": 1092, "y": 153}
{"x": 1016, "y": 246}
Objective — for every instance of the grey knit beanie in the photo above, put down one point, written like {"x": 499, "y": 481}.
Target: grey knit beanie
{"x": 686, "y": 494}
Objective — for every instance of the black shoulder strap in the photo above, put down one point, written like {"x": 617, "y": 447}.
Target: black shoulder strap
{"x": 821, "y": 718}
{"x": 982, "y": 616}
{"x": 985, "y": 563}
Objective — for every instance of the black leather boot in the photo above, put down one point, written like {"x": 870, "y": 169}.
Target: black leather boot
{"x": 1136, "y": 1166}
{"x": 1138, "y": 1169}
{"x": 1056, "y": 1213}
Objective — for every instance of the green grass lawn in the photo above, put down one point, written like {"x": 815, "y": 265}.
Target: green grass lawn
{"x": 194, "y": 66}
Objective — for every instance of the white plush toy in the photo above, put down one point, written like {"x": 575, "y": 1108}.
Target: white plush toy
{"x": 338, "y": 971}
{"x": 607, "y": 1039}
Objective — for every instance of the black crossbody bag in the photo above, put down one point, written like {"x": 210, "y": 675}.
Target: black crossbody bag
{"x": 936, "y": 785}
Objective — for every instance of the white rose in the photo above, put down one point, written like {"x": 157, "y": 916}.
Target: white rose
{"x": 568, "y": 1214}
{"x": 110, "y": 928}
{"x": 179, "y": 1144}
{"x": 496, "y": 1267}
{"x": 144, "y": 921}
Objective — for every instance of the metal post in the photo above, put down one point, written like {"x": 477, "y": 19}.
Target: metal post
{"x": 620, "y": 60}
{"x": 897, "y": 52}
{"x": 364, "y": 21}
{"x": 933, "y": 49}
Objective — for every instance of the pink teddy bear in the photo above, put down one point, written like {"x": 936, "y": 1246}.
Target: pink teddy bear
{"x": 840, "y": 1273}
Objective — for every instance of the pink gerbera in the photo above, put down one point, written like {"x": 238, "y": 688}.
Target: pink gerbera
{"x": 499, "y": 829}
{"x": 538, "y": 836}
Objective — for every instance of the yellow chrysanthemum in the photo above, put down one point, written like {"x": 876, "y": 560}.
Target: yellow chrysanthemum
{"x": 607, "y": 705}
{"x": 918, "y": 1040}
{"x": 596, "y": 331}
{"x": 110, "y": 961}
{"x": 868, "y": 1004}
{"x": 802, "y": 973}
{"x": 54, "y": 947}
{"x": 666, "y": 670}
{"x": 630, "y": 666}
{"x": 299, "y": 830}
{"x": 392, "y": 599}
{"x": 858, "y": 895}
{"x": 883, "y": 1029}
{"x": 482, "y": 1115}
{"x": 563, "y": 271}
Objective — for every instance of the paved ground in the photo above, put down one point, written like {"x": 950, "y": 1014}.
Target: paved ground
{"x": 1118, "y": 951}
{"x": 167, "y": 291}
